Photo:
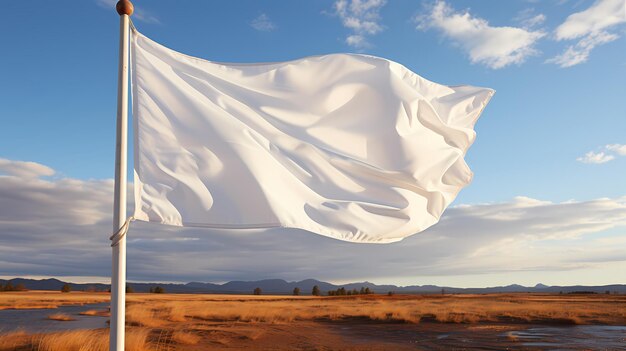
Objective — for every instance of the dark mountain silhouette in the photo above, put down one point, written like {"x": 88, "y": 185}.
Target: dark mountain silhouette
{"x": 279, "y": 286}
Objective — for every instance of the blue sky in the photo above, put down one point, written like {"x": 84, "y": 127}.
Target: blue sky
{"x": 550, "y": 145}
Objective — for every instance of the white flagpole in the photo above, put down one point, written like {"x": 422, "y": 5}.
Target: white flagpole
{"x": 118, "y": 275}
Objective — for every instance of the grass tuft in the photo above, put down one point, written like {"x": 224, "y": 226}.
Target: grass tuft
{"x": 185, "y": 338}
{"x": 13, "y": 340}
{"x": 103, "y": 313}
{"x": 61, "y": 317}
{"x": 89, "y": 340}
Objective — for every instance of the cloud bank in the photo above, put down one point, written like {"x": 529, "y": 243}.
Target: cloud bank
{"x": 60, "y": 227}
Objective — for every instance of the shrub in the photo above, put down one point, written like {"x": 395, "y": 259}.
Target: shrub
{"x": 66, "y": 288}
{"x": 157, "y": 290}
{"x": 316, "y": 291}
{"x": 296, "y": 291}
{"x": 10, "y": 287}
{"x": 257, "y": 291}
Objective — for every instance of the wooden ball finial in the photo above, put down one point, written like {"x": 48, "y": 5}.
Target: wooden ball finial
{"x": 124, "y": 7}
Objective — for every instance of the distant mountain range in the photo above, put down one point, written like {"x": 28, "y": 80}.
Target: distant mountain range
{"x": 282, "y": 287}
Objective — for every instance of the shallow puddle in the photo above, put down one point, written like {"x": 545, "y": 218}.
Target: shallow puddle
{"x": 579, "y": 337}
{"x": 36, "y": 320}
{"x": 442, "y": 336}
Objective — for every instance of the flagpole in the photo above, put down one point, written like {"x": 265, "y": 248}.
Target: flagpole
{"x": 118, "y": 275}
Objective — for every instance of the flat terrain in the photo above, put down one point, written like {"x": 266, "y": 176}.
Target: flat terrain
{"x": 365, "y": 322}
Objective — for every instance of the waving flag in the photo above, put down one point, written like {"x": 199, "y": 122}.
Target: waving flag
{"x": 353, "y": 147}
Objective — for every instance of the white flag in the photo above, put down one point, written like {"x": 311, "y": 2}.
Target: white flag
{"x": 353, "y": 147}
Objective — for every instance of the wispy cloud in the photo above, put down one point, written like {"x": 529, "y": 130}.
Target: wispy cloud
{"x": 139, "y": 14}
{"x": 362, "y": 17}
{"x": 619, "y": 149}
{"x": 495, "y": 47}
{"x": 595, "y": 157}
{"x": 592, "y": 27}
{"x": 145, "y": 17}
{"x": 606, "y": 154}
{"x": 60, "y": 227}
{"x": 529, "y": 19}
{"x": 263, "y": 23}
{"x": 579, "y": 53}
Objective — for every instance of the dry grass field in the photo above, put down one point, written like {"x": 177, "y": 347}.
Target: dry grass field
{"x": 373, "y": 322}
{"x": 47, "y": 299}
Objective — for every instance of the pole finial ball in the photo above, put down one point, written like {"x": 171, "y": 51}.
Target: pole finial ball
{"x": 124, "y": 7}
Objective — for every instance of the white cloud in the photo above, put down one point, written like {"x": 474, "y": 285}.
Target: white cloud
{"x": 609, "y": 153}
{"x": 495, "y": 47}
{"x": 601, "y": 15}
{"x": 24, "y": 169}
{"x": 579, "y": 53}
{"x": 145, "y": 17}
{"x": 534, "y": 21}
{"x": 617, "y": 148}
{"x": 528, "y": 19}
{"x": 356, "y": 40}
{"x": 362, "y": 17}
{"x": 263, "y": 23}
{"x": 595, "y": 157}
{"x": 592, "y": 27}
{"x": 60, "y": 227}
{"x": 139, "y": 13}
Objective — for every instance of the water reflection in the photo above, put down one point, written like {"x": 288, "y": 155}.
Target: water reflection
{"x": 580, "y": 337}
{"x": 493, "y": 337}
{"x": 36, "y": 320}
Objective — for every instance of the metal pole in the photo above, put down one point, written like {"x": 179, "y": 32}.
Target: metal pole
{"x": 118, "y": 275}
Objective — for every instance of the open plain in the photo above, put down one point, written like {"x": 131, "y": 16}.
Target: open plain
{"x": 364, "y": 322}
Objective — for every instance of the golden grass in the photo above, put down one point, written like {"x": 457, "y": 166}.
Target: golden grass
{"x": 48, "y": 299}
{"x": 157, "y": 310}
{"x": 511, "y": 308}
{"x": 154, "y": 316}
{"x": 136, "y": 340}
{"x": 142, "y": 315}
{"x": 77, "y": 340}
{"x": 61, "y": 317}
{"x": 89, "y": 340}
{"x": 176, "y": 315}
{"x": 12, "y": 340}
{"x": 101, "y": 313}
{"x": 185, "y": 337}
{"x": 174, "y": 322}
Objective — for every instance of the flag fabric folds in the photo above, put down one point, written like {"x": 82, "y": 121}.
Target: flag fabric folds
{"x": 353, "y": 147}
